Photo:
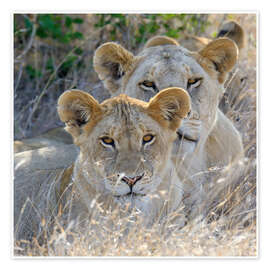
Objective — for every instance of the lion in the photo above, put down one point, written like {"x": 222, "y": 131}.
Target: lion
{"x": 233, "y": 85}
{"x": 230, "y": 29}
{"x": 236, "y": 79}
{"x": 207, "y": 138}
{"x": 124, "y": 158}
{"x": 53, "y": 137}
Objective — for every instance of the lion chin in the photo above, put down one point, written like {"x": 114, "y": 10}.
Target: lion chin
{"x": 141, "y": 203}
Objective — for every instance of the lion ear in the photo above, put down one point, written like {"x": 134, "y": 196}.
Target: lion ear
{"x": 160, "y": 40}
{"x": 169, "y": 107}
{"x": 78, "y": 109}
{"x": 222, "y": 55}
{"x": 111, "y": 62}
{"x": 233, "y": 31}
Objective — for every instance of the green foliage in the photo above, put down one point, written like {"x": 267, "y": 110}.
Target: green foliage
{"x": 117, "y": 22}
{"x": 67, "y": 65}
{"x": 50, "y": 26}
{"x": 50, "y": 65}
{"x": 56, "y": 30}
{"x": 145, "y": 26}
{"x": 28, "y": 25}
{"x": 192, "y": 23}
{"x": 57, "y": 35}
{"x": 32, "y": 72}
{"x": 214, "y": 34}
{"x": 58, "y": 27}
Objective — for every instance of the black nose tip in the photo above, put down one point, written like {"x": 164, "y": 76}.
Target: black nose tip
{"x": 131, "y": 181}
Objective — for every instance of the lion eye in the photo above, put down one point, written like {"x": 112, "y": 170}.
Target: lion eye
{"x": 107, "y": 141}
{"x": 148, "y": 138}
{"x": 194, "y": 82}
{"x": 148, "y": 85}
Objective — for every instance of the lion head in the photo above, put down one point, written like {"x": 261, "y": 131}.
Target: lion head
{"x": 125, "y": 143}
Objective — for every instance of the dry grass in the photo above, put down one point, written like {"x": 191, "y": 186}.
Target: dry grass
{"x": 230, "y": 228}
{"x": 101, "y": 240}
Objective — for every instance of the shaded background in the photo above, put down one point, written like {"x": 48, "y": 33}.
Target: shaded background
{"x": 54, "y": 52}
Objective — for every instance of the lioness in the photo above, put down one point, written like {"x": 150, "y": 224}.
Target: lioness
{"x": 125, "y": 147}
{"x": 230, "y": 29}
{"x": 207, "y": 138}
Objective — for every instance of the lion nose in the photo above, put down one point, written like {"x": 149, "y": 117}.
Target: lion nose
{"x": 131, "y": 181}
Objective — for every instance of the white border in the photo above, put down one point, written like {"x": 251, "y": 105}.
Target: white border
{"x": 21, "y": 6}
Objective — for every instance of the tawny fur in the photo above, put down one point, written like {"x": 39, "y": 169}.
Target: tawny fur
{"x": 49, "y": 193}
{"x": 207, "y": 133}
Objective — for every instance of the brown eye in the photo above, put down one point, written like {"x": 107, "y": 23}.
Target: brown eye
{"x": 191, "y": 81}
{"x": 148, "y": 85}
{"x": 147, "y": 138}
{"x": 107, "y": 141}
{"x": 194, "y": 82}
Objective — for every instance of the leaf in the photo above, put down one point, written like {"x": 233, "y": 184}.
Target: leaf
{"x": 68, "y": 22}
{"x": 67, "y": 65}
{"x": 28, "y": 24}
{"x": 78, "y": 51}
{"x": 41, "y": 32}
{"x": 32, "y": 72}
{"x": 49, "y": 65}
{"x": 78, "y": 20}
{"x": 214, "y": 34}
{"x": 172, "y": 33}
{"x": 77, "y": 35}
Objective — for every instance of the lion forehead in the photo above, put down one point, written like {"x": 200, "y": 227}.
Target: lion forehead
{"x": 172, "y": 62}
{"x": 124, "y": 116}
{"x": 166, "y": 51}
{"x": 124, "y": 110}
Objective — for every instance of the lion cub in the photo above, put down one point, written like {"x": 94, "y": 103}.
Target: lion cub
{"x": 125, "y": 146}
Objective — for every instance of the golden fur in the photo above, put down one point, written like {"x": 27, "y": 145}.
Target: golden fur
{"x": 207, "y": 138}
{"x": 128, "y": 172}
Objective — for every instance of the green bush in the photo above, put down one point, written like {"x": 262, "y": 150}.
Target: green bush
{"x": 145, "y": 26}
{"x": 132, "y": 30}
{"x": 57, "y": 27}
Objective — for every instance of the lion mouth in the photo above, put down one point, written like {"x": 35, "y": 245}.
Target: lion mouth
{"x": 135, "y": 194}
{"x": 130, "y": 195}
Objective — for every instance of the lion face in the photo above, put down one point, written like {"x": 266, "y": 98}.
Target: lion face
{"x": 164, "y": 64}
{"x": 126, "y": 150}
{"x": 125, "y": 144}
{"x": 167, "y": 66}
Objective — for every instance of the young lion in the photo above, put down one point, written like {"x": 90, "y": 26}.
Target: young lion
{"x": 125, "y": 146}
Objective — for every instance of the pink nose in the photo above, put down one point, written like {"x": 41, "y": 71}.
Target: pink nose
{"x": 131, "y": 181}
